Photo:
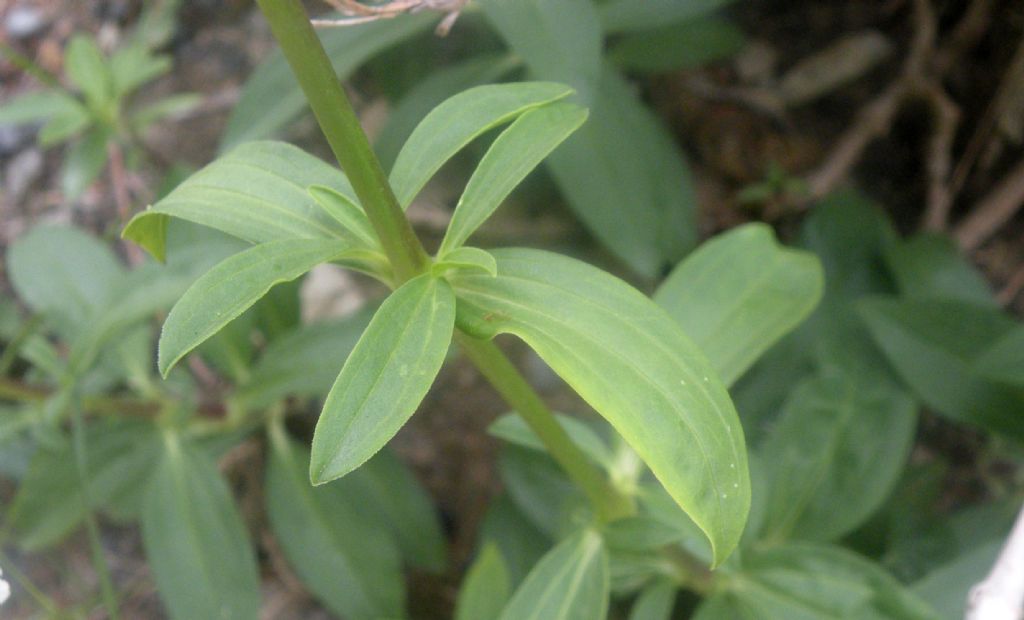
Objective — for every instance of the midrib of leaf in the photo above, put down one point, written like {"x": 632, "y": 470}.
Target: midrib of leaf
{"x": 846, "y": 406}
{"x": 666, "y": 397}
{"x": 181, "y": 490}
{"x": 391, "y": 355}
{"x": 581, "y": 568}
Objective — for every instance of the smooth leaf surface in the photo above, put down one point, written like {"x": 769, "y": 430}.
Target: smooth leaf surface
{"x": 230, "y": 288}
{"x": 655, "y": 602}
{"x": 739, "y": 293}
{"x": 347, "y": 213}
{"x": 543, "y": 492}
{"x": 446, "y": 81}
{"x": 835, "y": 455}
{"x": 1004, "y": 359}
{"x": 344, "y": 555}
{"x": 256, "y": 192}
{"x": 385, "y": 378}
{"x": 631, "y": 362}
{"x": 929, "y": 266}
{"x": 933, "y": 345}
{"x": 64, "y": 125}
{"x": 521, "y": 544}
{"x": 485, "y": 589}
{"x": 569, "y": 583}
{"x": 513, "y": 155}
{"x": 88, "y": 69}
{"x": 83, "y": 162}
{"x": 456, "y": 122}
{"x": 810, "y": 582}
{"x": 304, "y": 362}
{"x": 271, "y": 97}
{"x": 133, "y": 65}
{"x": 628, "y": 15}
{"x": 195, "y": 540}
{"x": 682, "y": 45}
{"x": 947, "y": 587}
{"x": 473, "y": 259}
{"x": 35, "y": 107}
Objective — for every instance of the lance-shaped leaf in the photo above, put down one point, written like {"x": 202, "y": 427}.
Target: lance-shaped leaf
{"x": 569, "y": 583}
{"x": 196, "y": 541}
{"x": 513, "y": 155}
{"x": 739, "y": 293}
{"x": 456, "y": 122}
{"x": 230, "y": 288}
{"x": 257, "y": 192}
{"x": 485, "y": 590}
{"x": 385, "y": 377}
{"x": 340, "y": 551}
{"x": 631, "y": 362}
{"x": 465, "y": 258}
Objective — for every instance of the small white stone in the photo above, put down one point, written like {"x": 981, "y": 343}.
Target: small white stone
{"x": 5, "y": 589}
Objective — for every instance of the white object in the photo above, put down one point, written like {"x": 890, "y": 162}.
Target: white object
{"x": 1001, "y": 595}
{"x": 5, "y": 589}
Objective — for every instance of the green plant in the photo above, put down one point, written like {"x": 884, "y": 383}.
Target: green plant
{"x": 94, "y": 114}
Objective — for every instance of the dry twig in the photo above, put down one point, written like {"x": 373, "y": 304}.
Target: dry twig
{"x": 358, "y": 13}
{"x": 993, "y": 210}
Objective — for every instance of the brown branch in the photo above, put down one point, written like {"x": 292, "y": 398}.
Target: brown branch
{"x": 994, "y": 210}
{"x": 940, "y": 159}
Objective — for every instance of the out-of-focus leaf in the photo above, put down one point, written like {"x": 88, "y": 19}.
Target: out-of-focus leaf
{"x": 929, "y": 266}
{"x": 430, "y": 92}
{"x": 632, "y": 363}
{"x": 934, "y": 346}
{"x": 677, "y": 46}
{"x": 655, "y": 601}
{"x": 195, "y": 540}
{"x": 49, "y": 504}
{"x": 394, "y": 499}
{"x": 569, "y": 583}
{"x": 520, "y": 542}
{"x": 303, "y": 362}
{"x": 35, "y": 107}
{"x": 64, "y": 125}
{"x": 133, "y": 65}
{"x": 513, "y": 429}
{"x": 1004, "y": 359}
{"x": 164, "y": 108}
{"x": 513, "y": 155}
{"x": 810, "y": 582}
{"x": 629, "y": 16}
{"x": 88, "y": 70}
{"x": 456, "y": 122}
{"x": 542, "y": 492}
{"x": 485, "y": 590}
{"x": 946, "y": 588}
{"x": 62, "y": 273}
{"x": 740, "y": 293}
{"x": 256, "y": 193}
{"x": 230, "y": 288}
{"x": 835, "y": 454}
{"x": 83, "y": 162}
{"x": 345, "y": 556}
{"x": 271, "y": 97}
{"x": 385, "y": 378}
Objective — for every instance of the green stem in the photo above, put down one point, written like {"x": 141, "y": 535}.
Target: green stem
{"x": 505, "y": 378}
{"x": 301, "y": 46}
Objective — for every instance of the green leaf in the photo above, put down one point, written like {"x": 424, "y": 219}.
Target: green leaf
{"x": 513, "y": 429}
{"x": 62, "y": 273}
{"x": 456, "y": 122}
{"x": 683, "y": 45}
{"x": 1004, "y": 359}
{"x": 466, "y": 258}
{"x": 521, "y": 544}
{"x": 389, "y": 493}
{"x": 271, "y": 96}
{"x": 810, "y": 582}
{"x": 346, "y": 558}
{"x": 64, "y": 125}
{"x": 230, "y": 288}
{"x": 256, "y": 192}
{"x": 133, "y": 65}
{"x": 739, "y": 293}
{"x": 835, "y": 454}
{"x": 629, "y": 16}
{"x": 303, "y": 362}
{"x": 83, "y": 162}
{"x": 88, "y": 70}
{"x": 512, "y": 156}
{"x": 934, "y": 346}
{"x": 430, "y": 92}
{"x": 347, "y": 213}
{"x": 655, "y": 601}
{"x": 569, "y": 583}
{"x": 929, "y": 266}
{"x": 543, "y": 492}
{"x": 631, "y": 362}
{"x": 49, "y": 505}
{"x": 946, "y": 588}
{"x": 196, "y": 541}
{"x": 158, "y": 111}
{"x": 486, "y": 588}
{"x": 385, "y": 377}
{"x": 40, "y": 106}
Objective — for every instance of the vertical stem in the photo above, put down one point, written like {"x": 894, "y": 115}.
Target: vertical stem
{"x": 505, "y": 378}
{"x": 301, "y": 46}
